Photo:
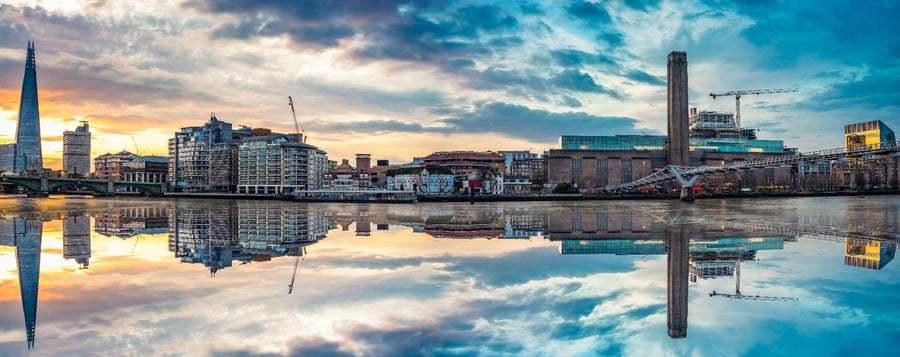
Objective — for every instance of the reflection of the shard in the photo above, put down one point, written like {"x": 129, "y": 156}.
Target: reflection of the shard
{"x": 24, "y": 233}
{"x": 215, "y": 235}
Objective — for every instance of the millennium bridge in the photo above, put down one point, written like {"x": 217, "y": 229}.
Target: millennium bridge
{"x": 42, "y": 186}
{"x": 687, "y": 175}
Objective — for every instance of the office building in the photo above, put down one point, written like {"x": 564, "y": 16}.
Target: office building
{"x": 110, "y": 165}
{"x": 871, "y": 172}
{"x": 871, "y": 134}
{"x": 530, "y": 168}
{"x": 7, "y": 157}
{"x": 278, "y": 164}
{"x": 77, "y": 151}
{"x": 28, "y": 130}
{"x": 146, "y": 169}
{"x": 511, "y": 156}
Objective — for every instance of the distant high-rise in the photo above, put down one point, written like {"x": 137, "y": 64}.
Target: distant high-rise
{"x": 28, "y": 132}
{"x": 678, "y": 147}
{"x": 7, "y": 157}
{"x": 77, "y": 150}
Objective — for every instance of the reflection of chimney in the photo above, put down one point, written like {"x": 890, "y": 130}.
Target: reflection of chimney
{"x": 678, "y": 276}
{"x": 363, "y": 162}
{"x": 363, "y": 226}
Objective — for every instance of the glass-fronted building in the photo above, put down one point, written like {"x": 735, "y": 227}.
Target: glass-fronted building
{"x": 658, "y": 143}
{"x": 871, "y": 134}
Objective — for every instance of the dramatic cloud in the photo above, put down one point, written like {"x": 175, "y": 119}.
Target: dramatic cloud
{"x": 520, "y": 121}
{"x": 446, "y": 69}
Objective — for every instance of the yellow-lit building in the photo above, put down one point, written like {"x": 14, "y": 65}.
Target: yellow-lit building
{"x": 871, "y": 254}
{"x": 872, "y": 134}
{"x": 871, "y": 172}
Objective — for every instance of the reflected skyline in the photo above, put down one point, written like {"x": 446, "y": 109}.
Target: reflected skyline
{"x": 216, "y": 235}
{"x": 224, "y": 234}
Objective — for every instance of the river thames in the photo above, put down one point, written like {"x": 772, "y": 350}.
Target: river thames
{"x": 757, "y": 276}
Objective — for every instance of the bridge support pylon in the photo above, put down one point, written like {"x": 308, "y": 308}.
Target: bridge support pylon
{"x": 45, "y": 187}
{"x": 687, "y": 184}
{"x": 687, "y": 194}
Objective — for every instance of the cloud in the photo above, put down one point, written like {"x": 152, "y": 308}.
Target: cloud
{"x": 644, "y": 77}
{"x": 537, "y": 125}
{"x": 582, "y": 82}
{"x": 874, "y": 91}
{"x": 502, "y": 119}
{"x": 576, "y": 58}
{"x": 589, "y": 12}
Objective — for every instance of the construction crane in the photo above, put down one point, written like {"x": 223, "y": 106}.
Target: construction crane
{"x": 296, "y": 265}
{"x": 737, "y": 97}
{"x": 737, "y": 288}
{"x": 301, "y": 135}
{"x": 136, "y": 149}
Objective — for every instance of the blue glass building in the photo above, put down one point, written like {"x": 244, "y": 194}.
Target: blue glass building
{"x": 658, "y": 143}
{"x": 28, "y": 132}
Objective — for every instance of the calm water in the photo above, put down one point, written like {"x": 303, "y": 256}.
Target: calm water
{"x": 136, "y": 277}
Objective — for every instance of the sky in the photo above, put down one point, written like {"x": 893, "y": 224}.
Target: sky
{"x": 400, "y": 79}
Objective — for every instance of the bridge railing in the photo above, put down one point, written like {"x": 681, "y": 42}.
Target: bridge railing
{"x": 665, "y": 174}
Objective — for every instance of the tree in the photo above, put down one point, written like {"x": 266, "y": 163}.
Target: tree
{"x": 565, "y": 187}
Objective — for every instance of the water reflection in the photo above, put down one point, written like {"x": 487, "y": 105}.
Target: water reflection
{"x": 701, "y": 242}
{"x": 24, "y": 233}
{"x": 216, "y": 234}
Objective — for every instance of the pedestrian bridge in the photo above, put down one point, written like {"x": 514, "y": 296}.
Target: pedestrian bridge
{"x": 43, "y": 186}
{"x": 687, "y": 176}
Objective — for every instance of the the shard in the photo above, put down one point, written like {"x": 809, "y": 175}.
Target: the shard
{"x": 28, "y": 132}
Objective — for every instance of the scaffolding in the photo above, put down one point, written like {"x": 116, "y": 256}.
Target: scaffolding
{"x": 710, "y": 124}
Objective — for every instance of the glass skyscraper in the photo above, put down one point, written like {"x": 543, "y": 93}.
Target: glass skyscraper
{"x": 28, "y": 132}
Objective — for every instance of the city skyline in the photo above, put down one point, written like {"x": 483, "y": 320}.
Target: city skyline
{"x": 399, "y": 79}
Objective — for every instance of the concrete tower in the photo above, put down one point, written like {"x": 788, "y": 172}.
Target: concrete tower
{"x": 77, "y": 150}
{"x": 28, "y": 131}
{"x": 678, "y": 145}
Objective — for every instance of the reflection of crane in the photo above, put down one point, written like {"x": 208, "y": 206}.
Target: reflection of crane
{"x": 296, "y": 265}
{"x": 136, "y": 240}
{"x": 737, "y": 288}
{"x": 737, "y": 97}
{"x": 301, "y": 135}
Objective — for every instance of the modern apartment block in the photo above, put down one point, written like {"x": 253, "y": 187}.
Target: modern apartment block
{"x": 278, "y": 164}
{"x": 201, "y": 158}
{"x": 77, "y": 150}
